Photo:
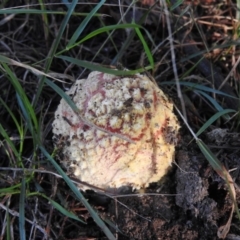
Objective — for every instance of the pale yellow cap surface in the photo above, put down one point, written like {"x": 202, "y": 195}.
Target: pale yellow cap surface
{"x": 132, "y": 107}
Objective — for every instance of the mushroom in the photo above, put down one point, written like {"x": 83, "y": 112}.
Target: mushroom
{"x": 124, "y": 135}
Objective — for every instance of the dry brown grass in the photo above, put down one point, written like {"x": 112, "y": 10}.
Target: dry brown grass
{"x": 208, "y": 33}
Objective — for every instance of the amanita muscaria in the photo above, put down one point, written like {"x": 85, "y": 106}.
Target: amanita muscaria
{"x": 140, "y": 131}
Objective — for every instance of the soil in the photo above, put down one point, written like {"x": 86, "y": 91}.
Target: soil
{"x": 191, "y": 202}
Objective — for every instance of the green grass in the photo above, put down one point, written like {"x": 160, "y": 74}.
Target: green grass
{"x": 28, "y": 114}
{"x": 32, "y": 126}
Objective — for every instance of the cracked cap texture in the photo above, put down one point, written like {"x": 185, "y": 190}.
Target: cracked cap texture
{"x": 124, "y": 135}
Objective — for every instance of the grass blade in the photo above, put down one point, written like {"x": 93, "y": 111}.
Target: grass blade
{"x": 8, "y": 222}
{"x": 43, "y": 11}
{"x": 84, "y": 23}
{"x": 102, "y": 30}
{"x": 212, "y": 119}
{"x": 223, "y": 173}
{"x": 45, "y": 20}
{"x": 25, "y": 114}
{"x": 176, "y": 4}
{"x": 212, "y": 159}
{"x": 198, "y": 87}
{"x": 62, "y": 94}
{"x": 12, "y": 116}
{"x": 22, "y": 95}
{"x": 211, "y": 100}
{"x": 146, "y": 48}
{"x": 63, "y": 210}
{"x": 75, "y": 190}
{"x": 22, "y": 210}
{"x": 9, "y": 142}
{"x": 54, "y": 47}
{"x": 95, "y": 67}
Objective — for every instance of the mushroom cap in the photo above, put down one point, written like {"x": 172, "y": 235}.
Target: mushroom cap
{"x": 124, "y": 135}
